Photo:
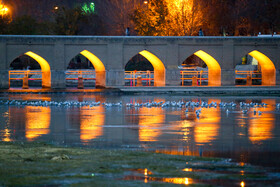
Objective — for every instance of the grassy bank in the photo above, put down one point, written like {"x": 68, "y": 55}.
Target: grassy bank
{"x": 25, "y": 164}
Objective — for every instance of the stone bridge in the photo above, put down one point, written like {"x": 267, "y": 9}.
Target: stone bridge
{"x": 110, "y": 54}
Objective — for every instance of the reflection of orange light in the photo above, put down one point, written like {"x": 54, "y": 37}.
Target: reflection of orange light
{"x": 92, "y": 121}
{"x": 207, "y": 128}
{"x": 185, "y": 181}
{"x": 45, "y": 67}
{"x": 159, "y": 69}
{"x": 6, "y": 137}
{"x": 146, "y": 172}
{"x": 184, "y": 152}
{"x": 145, "y": 2}
{"x": 260, "y": 128}
{"x": 242, "y": 184}
{"x": 187, "y": 169}
{"x": 214, "y": 69}
{"x": 149, "y": 121}
{"x": 37, "y": 121}
{"x": 267, "y": 68}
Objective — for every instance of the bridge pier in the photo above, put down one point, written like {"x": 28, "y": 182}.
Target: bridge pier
{"x": 4, "y": 79}
{"x": 115, "y": 78}
{"x": 172, "y": 77}
{"x": 277, "y": 77}
{"x": 58, "y": 79}
{"x": 228, "y": 77}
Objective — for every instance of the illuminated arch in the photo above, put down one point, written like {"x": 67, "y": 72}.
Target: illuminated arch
{"x": 98, "y": 66}
{"x": 214, "y": 69}
{"x": 159, "y": 69}
{"x": 267, "y": 68}
{"x": 45, "y": 68}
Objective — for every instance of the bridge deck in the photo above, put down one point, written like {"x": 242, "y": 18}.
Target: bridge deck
{"x": 188, "y": 91}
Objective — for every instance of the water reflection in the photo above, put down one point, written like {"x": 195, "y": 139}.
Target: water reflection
{"x": 6, "y": 136}
{"x": 92, "y": 121}
{"x": 261, "y": 126}
{"x": 207, "y": 128}
{"x": 147, "y": 179}
{"x": 165, "y": 129}
{"x": 150, "y": 123}
{"x": 37, "y": 121}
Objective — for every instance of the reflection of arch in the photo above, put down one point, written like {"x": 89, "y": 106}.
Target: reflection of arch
{"x": 37, "y": 121}
{"x": 159, "y": 69}
{"x": 98, "y": 66}
{"x": 207, "y": 128}
{"x": 150, "y": 121}
{"x": 214, "y": 69}
{"x": 267, "y": 68}
{"x": 92, "y": 121}
{"x": 261, "y": 127}
{"x": 45, "y": 68}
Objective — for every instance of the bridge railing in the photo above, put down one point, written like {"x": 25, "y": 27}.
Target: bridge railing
{"x": 248, "y": 76}
{"x": 80, "y": 77}
{"x": 244, "y": 74}
{"x": 19, "y": 75}
{"x": 187, "y": 76}
{"x": 86, "y": 75}
{"x": 147, "y": 77}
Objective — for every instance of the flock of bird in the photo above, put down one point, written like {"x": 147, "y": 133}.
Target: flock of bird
{"x": 229, "y": 107}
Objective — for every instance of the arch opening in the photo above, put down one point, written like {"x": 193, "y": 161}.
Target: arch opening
{"x": 87, "y": 67}
{"x": 146, "y": 66}
{"x": 31, "y": 67}
{"x": 267, "y": 68}
{"x": 255, "y": 68}
{"x": 202, "y": 66}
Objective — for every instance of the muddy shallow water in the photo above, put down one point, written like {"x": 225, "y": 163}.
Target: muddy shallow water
{"x": 247, "y": 134}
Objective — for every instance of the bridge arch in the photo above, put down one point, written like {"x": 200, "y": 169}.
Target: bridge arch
{"x": 159, "y": 68}
{"x": 214, "y": 69}
{"x": 45, "y": 68}
{"x": 267, "y": 68}
{"x": 99, "y": 67}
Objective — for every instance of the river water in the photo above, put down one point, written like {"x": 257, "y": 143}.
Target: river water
{"x": 230, "y": 132}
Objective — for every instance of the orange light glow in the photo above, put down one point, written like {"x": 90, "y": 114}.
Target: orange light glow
{"x": 45, "y": 67}
{"x": 92, "y": 121}
{"x": 6, "y": 137}
{"x": 149, "y": 121}
{"x": 159, "y": 69}
{"x": 242, "y": 184}
{"x": 214, "y": 69}
{"x": 207, "y": 127}
{"x": 267, "y": 68}
{"x": 187, "y": 169}
{"x": 185, "y": 181}
{"x": 98, "y": 66}
{"x": 3, "y": 10}
{"x": 37, "y": 121}
{"x": 146, "y": 172}
{"x": 261, "y": 127}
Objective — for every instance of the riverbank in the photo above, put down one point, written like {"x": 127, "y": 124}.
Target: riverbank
{"x": 190, "y": 91}
{"x": 25, "y": 164}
